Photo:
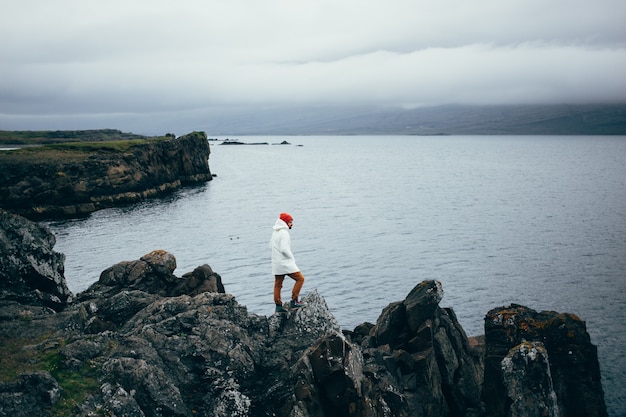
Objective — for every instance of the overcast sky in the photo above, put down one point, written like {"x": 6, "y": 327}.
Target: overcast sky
{"x": 63, "y": 59}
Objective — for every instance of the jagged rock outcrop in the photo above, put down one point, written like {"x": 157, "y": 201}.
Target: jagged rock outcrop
{"x": 70, "y": 187}
{"x": 528, "y": 382}
{"x": 156, "y": 345}
{"x": 31, "y": 272}
{"x": 574, "y": 368}
{"x": 418, "y": 361}
{"x": 154, "y": 273}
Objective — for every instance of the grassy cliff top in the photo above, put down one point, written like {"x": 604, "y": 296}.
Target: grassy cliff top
{"x": 74, "y": 145}
{"x": 45, "y": 137}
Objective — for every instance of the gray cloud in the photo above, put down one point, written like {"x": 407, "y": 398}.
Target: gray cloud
{"x": 78, "y": 59}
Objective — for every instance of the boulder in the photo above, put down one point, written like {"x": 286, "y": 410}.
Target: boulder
{"x": 31, "y": 272}
{"x": 202, "y": 279}
{"x": 153, "y": 273}
{"x": 528, "y": 383}
{"x": 573, "y": 360}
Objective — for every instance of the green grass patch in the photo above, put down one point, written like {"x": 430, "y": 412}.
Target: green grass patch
{"x": 42, "y": 354}
{"x": 40, "y": 155}
{"x": 113, "y": 145}
{"x": 71, "y": 151}
{"x": 19, "y": 356}
{"x": 31, "y": 137}
{"x": 76, "y": 384}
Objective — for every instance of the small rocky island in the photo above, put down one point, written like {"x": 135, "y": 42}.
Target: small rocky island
{"x": 142, "y": 341}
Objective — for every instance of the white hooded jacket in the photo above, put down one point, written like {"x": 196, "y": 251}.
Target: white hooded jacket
{"x": 283, "y": 261}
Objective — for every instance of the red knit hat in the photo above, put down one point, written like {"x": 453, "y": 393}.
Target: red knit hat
{"x": 286, "y": 217}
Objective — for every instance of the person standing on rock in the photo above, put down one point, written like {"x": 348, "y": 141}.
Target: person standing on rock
{"x": 284, "y": 263}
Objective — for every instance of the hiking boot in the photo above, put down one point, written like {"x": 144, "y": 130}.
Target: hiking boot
{"x": 280, "y": 308}
{"x": 296, "y": 304}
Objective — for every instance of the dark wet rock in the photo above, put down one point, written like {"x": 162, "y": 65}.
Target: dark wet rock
{"x": 420, "y": 361}
{"x": 32, "y": 394}
{"x": 153, "y": 273}
{"x": 528, "y": 383}
{"x": 202, "y": 279}
{"x": 31, "y": 272}
{"x": 573, "y": 360}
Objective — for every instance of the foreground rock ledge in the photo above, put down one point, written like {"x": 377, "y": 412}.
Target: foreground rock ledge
{"x": 160, "y": 345}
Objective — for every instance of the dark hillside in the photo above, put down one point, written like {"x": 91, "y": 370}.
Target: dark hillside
{"x": 485, "y": 120}
{"x": 443, "y": 120}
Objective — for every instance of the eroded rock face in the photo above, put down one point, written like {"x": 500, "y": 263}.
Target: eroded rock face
{"x": 528, "y": 382}
{"x": 573, "y": 360}
{"x": 418, "y": 360}
{"x": 329, "y": 379}
{"x": 107, "y": 179}
{"x": 31, "y": 272}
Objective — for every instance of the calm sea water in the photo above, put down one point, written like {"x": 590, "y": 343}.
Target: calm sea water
{"x": 536, "y": 220}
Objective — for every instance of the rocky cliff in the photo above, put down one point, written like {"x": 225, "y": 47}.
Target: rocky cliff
{"x": 144, "y": 342}
{"x": 79, "y": 180}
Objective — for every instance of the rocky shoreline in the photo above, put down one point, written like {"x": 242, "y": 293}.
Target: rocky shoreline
{"x": 83, "y": 180}
{"x": 143, "y": 342}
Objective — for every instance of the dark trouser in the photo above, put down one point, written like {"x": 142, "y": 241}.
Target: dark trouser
{"x": 278, "y": 286}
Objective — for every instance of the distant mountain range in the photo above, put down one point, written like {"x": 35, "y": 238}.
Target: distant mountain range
{"x": 592, "y": 119}
{"x": 224, "y": 120}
